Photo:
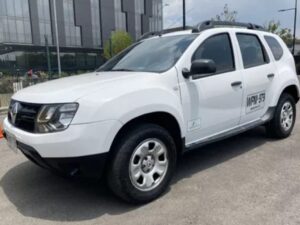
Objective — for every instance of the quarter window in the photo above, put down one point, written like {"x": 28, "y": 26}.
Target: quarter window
{"x": 253, "y": 52}
{"x": 217, "y": 48}
{"x": 275, "y": 47}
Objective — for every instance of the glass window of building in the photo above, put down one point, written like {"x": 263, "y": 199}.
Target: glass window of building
{"x": 96, "y": 28}
{"x": 15, "y": 21}
{"x": 139, "y": 11}
{"x": 120, "y": 16}
{"x": 73, "y": 33}
{"x": 156, "y": 19}
{"x": 44, "y": 21}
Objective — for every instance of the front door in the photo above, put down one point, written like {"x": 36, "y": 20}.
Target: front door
{"x": 214, "y": 102}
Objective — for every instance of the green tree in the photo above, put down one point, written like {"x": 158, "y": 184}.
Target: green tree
{"x": 284, "y": 33}
{"x": 226, "y": 15}
{"x": 119, "y": 40}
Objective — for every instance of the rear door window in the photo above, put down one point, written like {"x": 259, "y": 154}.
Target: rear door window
{"x": 252, "y": 50}
{"x": 275, "y": 47}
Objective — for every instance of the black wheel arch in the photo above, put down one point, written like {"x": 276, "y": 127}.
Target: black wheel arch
{"x": 293, "y": 91}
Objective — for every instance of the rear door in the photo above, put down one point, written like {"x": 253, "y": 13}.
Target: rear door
{"x": 258, "y": 75}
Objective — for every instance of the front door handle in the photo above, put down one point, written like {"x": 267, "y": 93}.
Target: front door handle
{"x": 237, "y": 83}
{"x": 271, "y": 75}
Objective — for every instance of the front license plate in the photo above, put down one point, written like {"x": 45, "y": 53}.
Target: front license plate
{"x": 12, "y": 142}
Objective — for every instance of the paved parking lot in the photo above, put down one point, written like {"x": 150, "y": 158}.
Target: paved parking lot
{"x": 247, "y": 179}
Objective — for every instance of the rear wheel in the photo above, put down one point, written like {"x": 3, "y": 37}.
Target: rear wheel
{"x": 143, "y": 163}
{"x": 281, "y": 126}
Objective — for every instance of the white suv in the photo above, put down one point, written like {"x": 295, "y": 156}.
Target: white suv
{"x": 165, "y": 95}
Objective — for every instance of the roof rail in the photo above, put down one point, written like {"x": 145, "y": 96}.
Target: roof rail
{"x": 166, "y": 31}
{"x": 209, "y": 24}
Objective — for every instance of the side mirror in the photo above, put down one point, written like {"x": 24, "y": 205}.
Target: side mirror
{"x": 201, "y": 67}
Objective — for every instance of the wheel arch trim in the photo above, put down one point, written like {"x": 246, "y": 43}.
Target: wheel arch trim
{"x": 276, "y": 97}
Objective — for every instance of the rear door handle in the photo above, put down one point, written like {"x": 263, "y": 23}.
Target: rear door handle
{"x": 237, "y": 83}
{"x": 271, "y": 75}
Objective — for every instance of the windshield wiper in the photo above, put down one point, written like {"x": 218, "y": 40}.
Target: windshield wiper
{"x": 122, "y": 70}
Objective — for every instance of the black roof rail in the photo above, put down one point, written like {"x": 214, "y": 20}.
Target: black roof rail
{"x": 166, "y": 31}
{"x": 209, "y": 24}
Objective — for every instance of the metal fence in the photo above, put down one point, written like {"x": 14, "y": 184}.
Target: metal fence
{"x": 10, "y": 85}
{"x": 4, "y": 100}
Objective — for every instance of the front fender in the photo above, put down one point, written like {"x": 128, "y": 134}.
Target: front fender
{"x": 154, "y": 108}
{"x": 125, "y": 107}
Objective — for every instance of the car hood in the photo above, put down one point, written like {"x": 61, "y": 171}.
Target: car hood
{"x": 71, "y": 89}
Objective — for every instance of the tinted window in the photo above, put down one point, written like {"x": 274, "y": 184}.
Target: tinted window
{"x": 152, "y": 55}
{"x": 217, "y": 48}
{"x": 252, "y": 50}
{"x": 275, "y": 47}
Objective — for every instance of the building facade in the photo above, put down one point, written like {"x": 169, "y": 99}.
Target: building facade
{"x": 27, "y": 30}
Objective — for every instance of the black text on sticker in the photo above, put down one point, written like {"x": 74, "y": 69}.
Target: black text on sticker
{"x": 255, "y": 102}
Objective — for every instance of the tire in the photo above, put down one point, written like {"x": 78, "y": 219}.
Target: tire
{"x": 278, "y": 129}
{"x": 148, "y": 150}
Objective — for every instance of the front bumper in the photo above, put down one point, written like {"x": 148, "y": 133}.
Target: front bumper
{"x": 76, "y": 141}
{"x": 86, "y": 166}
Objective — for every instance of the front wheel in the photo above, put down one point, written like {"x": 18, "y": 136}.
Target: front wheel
{"x": 281, "y": 126}
{"x": 143, "y": 164}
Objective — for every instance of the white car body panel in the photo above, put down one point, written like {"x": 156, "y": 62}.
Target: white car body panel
{"x": 286, "y": 72}
{"x": 70, "y": 89}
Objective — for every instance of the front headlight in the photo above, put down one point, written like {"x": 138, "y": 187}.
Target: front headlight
{"x": 53, "y": 118}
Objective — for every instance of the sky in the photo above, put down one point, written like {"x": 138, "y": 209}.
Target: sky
{"x": 254, "y": 11}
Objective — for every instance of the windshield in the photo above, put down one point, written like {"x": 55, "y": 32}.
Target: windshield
{"x": 153, "y": 55}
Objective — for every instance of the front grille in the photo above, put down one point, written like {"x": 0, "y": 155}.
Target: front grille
{"x": 24, "y": 117}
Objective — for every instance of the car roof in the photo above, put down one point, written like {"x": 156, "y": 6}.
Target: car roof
{"x": 221, "y": 26}
{"x": 242, "y": 30}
